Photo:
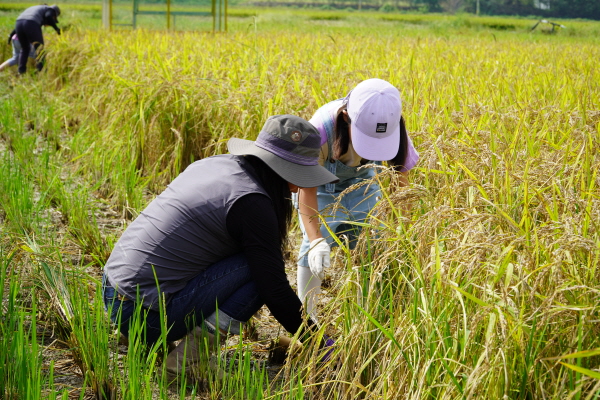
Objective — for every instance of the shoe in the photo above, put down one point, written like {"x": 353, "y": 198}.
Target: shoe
{"x": 192, "y": 356}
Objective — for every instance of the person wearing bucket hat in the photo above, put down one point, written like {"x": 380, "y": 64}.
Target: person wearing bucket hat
{"x": 208, "y": 249}
{"x": 365, "y": 127}
{"x": 29, "y": 30}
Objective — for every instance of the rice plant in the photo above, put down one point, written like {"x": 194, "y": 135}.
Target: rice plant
{"x": 486, "y": 286}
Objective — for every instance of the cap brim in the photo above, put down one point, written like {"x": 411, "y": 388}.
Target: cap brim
{"x": 374, "y": 149}
{"x": 305, "y": 176}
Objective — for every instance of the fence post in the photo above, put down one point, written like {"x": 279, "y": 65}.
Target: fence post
{"x": 168, "y": 15}
{"x": 135, "y": 11}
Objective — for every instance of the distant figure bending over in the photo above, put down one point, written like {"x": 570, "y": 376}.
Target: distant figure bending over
{"x": 29, "y": 30}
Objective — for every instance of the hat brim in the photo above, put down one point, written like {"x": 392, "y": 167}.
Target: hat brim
{"x": 374, "y": 149}
{"x": 305, "y": 176}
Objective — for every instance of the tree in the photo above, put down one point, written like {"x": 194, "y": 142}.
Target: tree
{"x": 556, "y": 8}
{"x": 452, "y": 6}
{"x": 501, "y": 7}
{"x": 575, "y": 9}
{"x": 432, "y": 5}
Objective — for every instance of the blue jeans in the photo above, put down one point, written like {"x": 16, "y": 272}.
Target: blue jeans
{"x": 354, "y": 206}
{"x": 226, "y": 287}
{"x": 16, "y": 46}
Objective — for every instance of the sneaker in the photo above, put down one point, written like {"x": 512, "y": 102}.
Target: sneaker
{"x": 190, "y": 356}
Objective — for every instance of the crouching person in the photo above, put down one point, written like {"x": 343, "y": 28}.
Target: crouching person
{"x": 16, "y": 51}
{"x": 211, "y": 243}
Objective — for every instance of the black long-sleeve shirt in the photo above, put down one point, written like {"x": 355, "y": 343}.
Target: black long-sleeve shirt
{"x": 252, "y": 222}
{"x": 214, "y": 209}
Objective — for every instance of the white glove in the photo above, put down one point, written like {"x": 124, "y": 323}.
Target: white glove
{"x": 309, "y": 288}
{"x": 318, "y": 257}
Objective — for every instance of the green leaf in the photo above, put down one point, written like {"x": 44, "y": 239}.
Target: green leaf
{"x": 470, "y": 296}
{"x": 584, "y": 371}
{"x": 387, "y": 333}
{"x": 577, "y": 354}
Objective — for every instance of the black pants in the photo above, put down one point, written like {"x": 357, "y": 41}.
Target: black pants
{"x": 29, "y": 32}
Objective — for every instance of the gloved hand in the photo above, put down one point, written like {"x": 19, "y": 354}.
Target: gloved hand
{"x": 327, "y": 345}
{"x": 309, "y": 289}
{"x": 318, "y": 257}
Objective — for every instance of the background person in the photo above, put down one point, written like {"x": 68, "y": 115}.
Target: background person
{"x": 16, "y": 50}
{"x": 215, "y": 237}
{"x": 364, "y": 127}
{"x": 29, "y": 30}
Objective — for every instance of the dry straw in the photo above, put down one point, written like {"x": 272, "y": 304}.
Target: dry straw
{"x": 471, "y": 292}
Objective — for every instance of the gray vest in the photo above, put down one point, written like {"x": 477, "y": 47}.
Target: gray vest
{"x": 183, "y": 231}
{"x": 35, "y": 13}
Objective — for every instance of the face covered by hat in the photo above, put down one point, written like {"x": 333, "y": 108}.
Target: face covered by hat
{"x": 375, "y": 108}
{"x": 290, "y": 146}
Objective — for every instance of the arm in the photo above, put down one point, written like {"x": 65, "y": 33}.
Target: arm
{"x": 50, "y": 18}
{"x": 309, "y": 210}
{"x": 252, "y": 222}
{"x": 308, "y": 206}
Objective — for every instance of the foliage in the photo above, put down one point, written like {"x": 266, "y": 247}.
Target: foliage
{"x": 487, "y": 288}
{"x": 556, "y": 8}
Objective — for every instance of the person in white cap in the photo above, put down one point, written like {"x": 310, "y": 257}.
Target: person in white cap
{"x": 364, "y": 127}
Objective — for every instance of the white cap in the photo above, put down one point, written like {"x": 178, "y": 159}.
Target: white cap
{"x": 374, "y": 108}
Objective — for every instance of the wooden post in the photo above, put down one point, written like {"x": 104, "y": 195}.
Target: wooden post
{"x": 220, "y": 15}
{"x": 213, "y": 11}
{"x": 105, "y": 15}
{"x": 168, "y": 15}
{"x": 135, "y": 10}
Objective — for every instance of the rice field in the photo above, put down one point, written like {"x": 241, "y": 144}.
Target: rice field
{"x": 488, "y": 288}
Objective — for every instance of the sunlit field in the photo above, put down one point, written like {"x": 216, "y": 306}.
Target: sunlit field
{"x": 487, "y": 289}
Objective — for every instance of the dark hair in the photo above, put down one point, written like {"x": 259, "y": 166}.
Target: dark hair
{"x": 341, "y": 140}
{"x": 279, "y": 191}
